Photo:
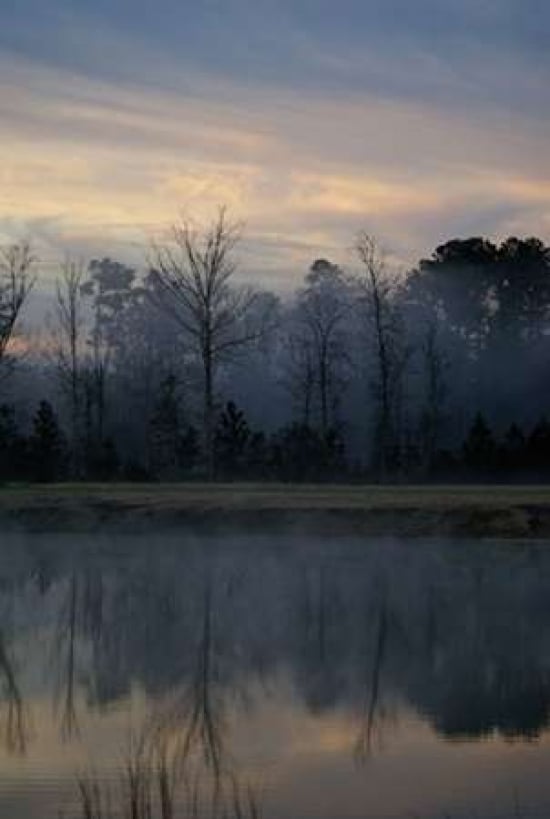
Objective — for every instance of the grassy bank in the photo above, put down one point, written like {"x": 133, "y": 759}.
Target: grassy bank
{"x": 490, "y": 511}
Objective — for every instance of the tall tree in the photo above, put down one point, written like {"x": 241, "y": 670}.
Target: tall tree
{"x": 487, "y": 292}
{"x": 70, "y": 329}
{"x": 493, "y": 302}
{"x": 382, "y": 318}
{"x": 109, "y": 290}
{"x": 299, "y": 374}
{"x": 522, "y": 290}
{"x": 435, "y": 365}
{"x": 456, "y": 282}
{"x": 319, "y": 340}
{"x": 194, "y": 272}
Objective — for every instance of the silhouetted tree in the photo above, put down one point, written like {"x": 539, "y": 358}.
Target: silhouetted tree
{"x": 109, "y": 289}
{"x": 69, "y": 344}
{"x": 16, "y": 281}
{"x": 258, "y": 458}
{"x": 47, "y": 449}
{"x": 231, "y": 442}
{"x": 103, "y": 461}
{"x": 386, "y": 335}
{"x": 318, "y": 343}
{"x": 174, "y": 445}
{"x": 299, "y": 374}
{"x": 432, "y": 418}
{"x": 165, "y": 430}
{"x": 456, "y": 282}
{"x": 194, "y": 273}
{"x": 479, "y": 448}
{"x": 512, "y": 452}
{"x": 522, "y": 290}
{"x": 12, "y": 446}
{"x": 189, "y": 451}
{"x": 299, "y": 453}
{"x": 538, "y": 449}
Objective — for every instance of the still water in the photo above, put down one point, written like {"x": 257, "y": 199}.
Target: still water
{"x": 282, "y": 678}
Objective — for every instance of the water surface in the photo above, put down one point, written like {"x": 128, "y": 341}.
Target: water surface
{"x": 282, "y": 678}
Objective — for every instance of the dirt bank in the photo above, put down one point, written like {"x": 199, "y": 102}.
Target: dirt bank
{"x": 461, "y": 511}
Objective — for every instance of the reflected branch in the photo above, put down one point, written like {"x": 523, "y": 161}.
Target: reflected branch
{"x": 67, "y": 633}
{"x": 363, "y": 746}
{"x": 15, "y": 726}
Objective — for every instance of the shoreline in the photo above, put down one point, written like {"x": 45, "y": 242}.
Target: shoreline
{"x": 516, "y": 512}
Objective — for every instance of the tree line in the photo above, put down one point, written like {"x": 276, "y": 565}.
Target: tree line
{"x": 184, "y": 372}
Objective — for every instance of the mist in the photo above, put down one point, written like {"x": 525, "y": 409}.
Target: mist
{"x": 364, "y": 372}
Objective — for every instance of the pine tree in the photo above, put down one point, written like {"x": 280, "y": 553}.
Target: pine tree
{"x": 189, "y": 450}
{"x": 300, "y": 453}
{"x": 479, "y": 448}
{"x": 231, "y": 440}
{"x": 12, "y": 446}
{"x": 47, "y": 449}
{"x": 104, "y": 464}
{"x": 165, "y": 427}
{"x": 538, "y": 448}
{"x": 512, "y": 452}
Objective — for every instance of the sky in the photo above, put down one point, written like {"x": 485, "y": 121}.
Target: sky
{"x": 416, "y": 120}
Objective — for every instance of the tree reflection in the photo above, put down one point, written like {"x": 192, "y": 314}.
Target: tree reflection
{"x": 459, "y": 637}
{"x": 14, "y": 722}
{"x": 363, "y": 745}
{"x": 66, "y": 651}
{"x": 195, "y": 722}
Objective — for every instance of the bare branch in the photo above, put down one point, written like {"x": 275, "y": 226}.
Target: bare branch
{"x": 193, "y": 273}
{"x": 17, "y": 279}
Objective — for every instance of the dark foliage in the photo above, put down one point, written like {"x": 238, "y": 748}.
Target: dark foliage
{"x": 47, "y": 451}
{"x": 13, "y": 446}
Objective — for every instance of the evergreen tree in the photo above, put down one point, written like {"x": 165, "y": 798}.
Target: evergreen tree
{"x": 231, "y": 441}
{"x": 47, "y": 450}
{"x": 300, "y": 453}
{"x": 512, "y": 452}
{"x": 479, "y": 448}
{"x": 103, "y": 463}
{"x": 12, "y": 446}
{"x": 189, "y": 451}
{"x": 258, "y": 456}
{"x": 173, "y": 446}
{"x": 165, "y": 431}
{"x": 538, "y": 449}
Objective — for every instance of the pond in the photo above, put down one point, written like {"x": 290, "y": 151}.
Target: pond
{"x": 177, "y": 676}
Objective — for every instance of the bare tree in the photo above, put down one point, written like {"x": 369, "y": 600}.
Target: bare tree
{"x": 16, "y": 281}
{"x": 319, "y": 339}
{"x": 377, "y": 300}
{"x": 69, "y": 314}
{"x": 194, "y": 271}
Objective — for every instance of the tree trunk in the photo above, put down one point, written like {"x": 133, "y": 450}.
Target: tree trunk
{"x": 323, "y": 387}
{"x": 209, "y": 416}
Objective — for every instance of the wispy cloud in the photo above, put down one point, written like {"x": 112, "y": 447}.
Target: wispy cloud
{"x": 308, "y": 123}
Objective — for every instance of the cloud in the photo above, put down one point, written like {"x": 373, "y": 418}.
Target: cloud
{"x": 309, "y": 123}
{"x": 455, "y": 52}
